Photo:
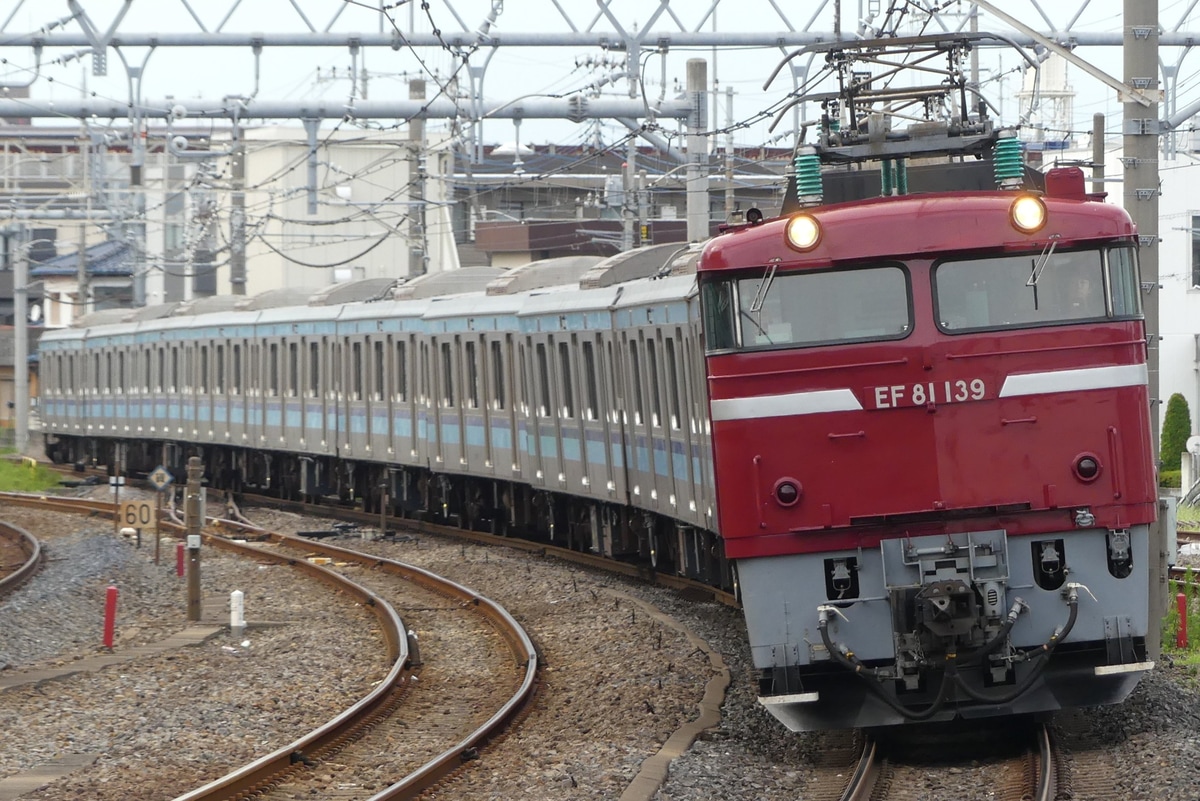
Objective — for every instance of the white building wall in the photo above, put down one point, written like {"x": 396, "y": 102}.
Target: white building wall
{"x": 364, "y": 193}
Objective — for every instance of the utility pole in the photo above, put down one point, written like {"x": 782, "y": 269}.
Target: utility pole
{"x": 1141, "y": 128}
{"x": 237, "y": 214}
{"x": 418, "y": 245}
{"x": 194, "y": 518}
{"x": 21, "y": 345}
{"x": 697, "y": 156}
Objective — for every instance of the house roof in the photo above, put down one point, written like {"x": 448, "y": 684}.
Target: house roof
{"x": 106, "y": 258}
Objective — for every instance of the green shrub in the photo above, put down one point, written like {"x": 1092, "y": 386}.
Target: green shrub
{"x": 21, "y": 476}
{"x": 1176, "y": 428}
{"x": 1170, "y": 478}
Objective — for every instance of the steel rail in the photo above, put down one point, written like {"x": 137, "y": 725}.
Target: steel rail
{"x": 866, "y": 773}
{"x": 641, "y": 572}
{"x": 509, "y": 629}
{"x": 28, "y": 545}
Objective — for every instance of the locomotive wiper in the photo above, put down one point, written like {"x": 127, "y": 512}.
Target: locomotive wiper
{"x": 760, "y": 296}
{"x": 1042, "y": 260}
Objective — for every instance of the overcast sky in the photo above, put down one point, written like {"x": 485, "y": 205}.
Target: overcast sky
{"x": 297, "y": 73}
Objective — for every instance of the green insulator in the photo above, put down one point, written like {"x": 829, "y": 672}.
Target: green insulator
{"x": 885, "y": 177}
{"x": 807, "y": 166}
{"x": 1006, "y": 161}
{"x": 901, "y": 176}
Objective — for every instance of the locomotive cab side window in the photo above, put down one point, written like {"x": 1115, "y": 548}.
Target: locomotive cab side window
{"x": 802, "y": 309}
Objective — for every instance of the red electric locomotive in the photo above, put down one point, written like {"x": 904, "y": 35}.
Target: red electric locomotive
{"x": 932, "y": 446}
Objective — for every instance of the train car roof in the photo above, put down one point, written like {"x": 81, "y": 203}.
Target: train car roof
{"x": 630, "y": 265}
{"x": 451, "y": 282}
{"x": 298, "y": 314}
{"x": 568, "y": 299}
{"x": 657, "y": 290}
{"x": 543, "y": 273}
{"x": 363, "y": 290}
{"x": 385, "y": 309}
{"x": 276, "y": 298}
{"x": 475, "y": 304}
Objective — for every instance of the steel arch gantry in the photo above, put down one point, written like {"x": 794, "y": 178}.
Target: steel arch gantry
{"x": 96, "y": 26}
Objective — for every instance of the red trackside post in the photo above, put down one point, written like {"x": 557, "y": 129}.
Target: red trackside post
{"x": 179, "y": 559}
{"x": 110, "y": 616}
{"x": 1181, "y": 638}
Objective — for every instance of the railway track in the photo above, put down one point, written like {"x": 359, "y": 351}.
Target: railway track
{"x": 862, "y": 767}
{"x": 359, "y": 735}
{"x": 20, "y": 555}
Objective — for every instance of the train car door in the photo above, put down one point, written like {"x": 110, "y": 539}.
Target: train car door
{"x": 404, "y": 436}
{"x": 428, "y": 445}
{"x": 379, "y": 410}
{"x": 175, "y": 390}
{"x": 220, "y": 388}
{"x": 356, "y": 399}
{"x": 475, "y": 445}
{"x": 273, "y": 402}
{"x": 448, "y": 409}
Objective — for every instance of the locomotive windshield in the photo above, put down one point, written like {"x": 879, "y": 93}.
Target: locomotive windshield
{"x": 1045, "y": 288}
{"x": 773, "y": 309}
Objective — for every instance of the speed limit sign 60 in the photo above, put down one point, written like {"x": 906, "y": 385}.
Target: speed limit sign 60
{"x": 137, "y": 514}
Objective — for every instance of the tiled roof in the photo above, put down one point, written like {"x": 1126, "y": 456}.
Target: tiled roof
{"x": 106, "y": 258}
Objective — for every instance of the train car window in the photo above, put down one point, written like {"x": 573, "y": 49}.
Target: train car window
{"x": 356, "y": 371}
{"x": 636, "y": 372}
{"x": 447, "y": 375}
{"x": 1022, "y": 291}
{"x": 401, "y": 371}
{"x": 424, "y": 373}
{"x": 174, "y": 369}
{"x": 293, "y": 377}
{"x": 1124, "y": 282}
{"x": 543, "y": 372}
{"x": 717, "y": 301}
{"x": 162, "y": 369}
{"x": 568, "y": 392}
{"x": 106, "y": 384}
{"x": 203, "y": 382}
{"x": 589, "y": 379}
{"x": 120, "y": 386}
{"x": 471, "y": 390}
{"x": 672, "y": 380}
{"x": 273, "y": 369}
{"x": 219, "y": 384}
{"x": 652, "y": 380}
{"x": 314, "y": 369}
{"x": 614, "y": 393}
{"x": 236, "y": 371}
{"x": 524, "y": 384}
{"x": 378, "y": 371}
{"x": 497, "y": 375}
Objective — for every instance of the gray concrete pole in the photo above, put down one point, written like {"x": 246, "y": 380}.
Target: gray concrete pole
{"x": 21, "y": 348}
{"x": 697, "y": 154}
{"x": 1097, "y": 153}
{"x": 1141, "y": 129}
{"x": 237, "y": 215}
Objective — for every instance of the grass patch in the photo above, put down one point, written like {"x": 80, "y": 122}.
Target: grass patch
{"x": 22, "y": 476}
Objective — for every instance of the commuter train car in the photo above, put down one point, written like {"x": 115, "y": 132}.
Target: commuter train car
{"x": 933, "y": 451}
{"x": 563, "y": 400}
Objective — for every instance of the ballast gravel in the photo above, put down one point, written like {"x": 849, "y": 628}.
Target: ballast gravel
{"x": 616, "y": 683}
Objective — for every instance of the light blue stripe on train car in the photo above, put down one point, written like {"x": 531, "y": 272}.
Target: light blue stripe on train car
{"x": 571, "y": 449}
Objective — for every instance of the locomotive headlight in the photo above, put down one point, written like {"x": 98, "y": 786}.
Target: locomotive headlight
{"x": 1028, "y": 213}
{"x": 787, "y": 491}
{"x": 1087, "y": 467}
{"x": 803, "y": 232}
